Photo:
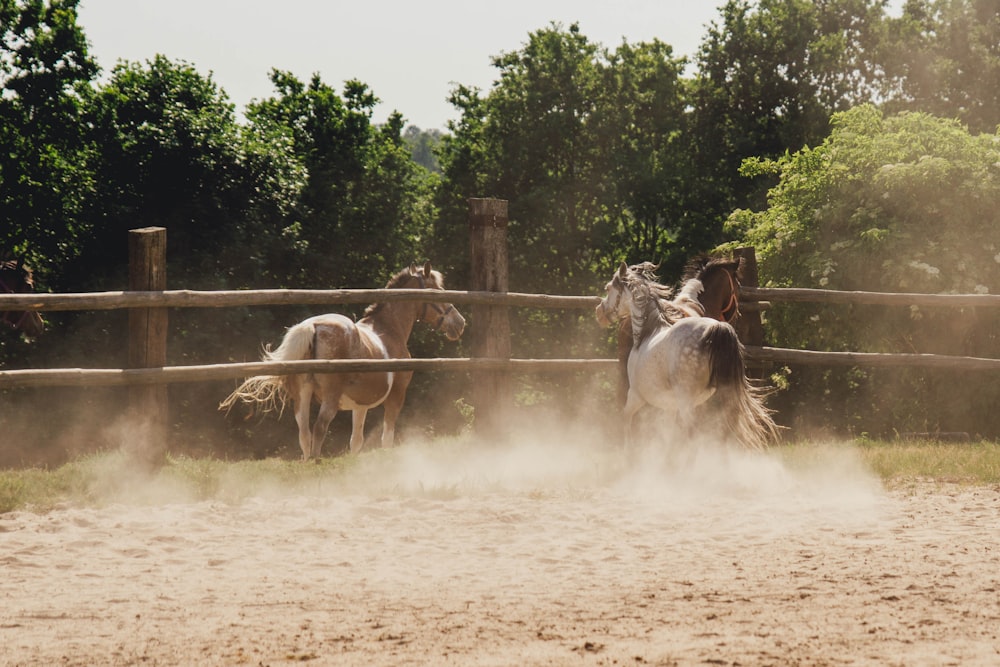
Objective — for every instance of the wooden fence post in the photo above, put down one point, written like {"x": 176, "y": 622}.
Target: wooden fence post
{"x": 147, "y": 345}
{"x": 491, "y": 391}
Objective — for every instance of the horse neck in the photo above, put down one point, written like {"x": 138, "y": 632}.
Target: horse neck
{"x": 689, "y": 299}
{"x": 393, "y": 322}
{"x": 644, "y": 312}
{"x": 719, "y": 295}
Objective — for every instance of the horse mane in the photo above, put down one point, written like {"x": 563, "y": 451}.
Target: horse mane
{"x": 701, "y": 266}
{"x": 399, "y": 281}
{"x": 18, "y": 267}
{"x": 652, "y": 300}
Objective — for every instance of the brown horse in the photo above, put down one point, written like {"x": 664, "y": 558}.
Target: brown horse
{"x": 382, "y": 333}
{"x": 711, "y": 288}
{"x": 16, "y": 278}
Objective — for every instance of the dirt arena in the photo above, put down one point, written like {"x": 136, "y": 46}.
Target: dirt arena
{"x": 547, "y": 554}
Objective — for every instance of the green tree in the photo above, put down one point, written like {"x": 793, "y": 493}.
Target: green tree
{"x": 543, "y": 156}
{"x": 365, "y": 206}
{"x": 642, "y": 140}
{"x": 941, "y": 57}
{"x": 587, "y": 147}
{"x": 44, "y": 63}
{"x": 423, "y": 146}
{"x": 172, "y": 154}
{"x": 769, "y": 75}
{"x": 904, "y": 203}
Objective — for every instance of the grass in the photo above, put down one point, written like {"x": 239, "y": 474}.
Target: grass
{"x": 102, "y": 479}
{"x": 902, "y": 462}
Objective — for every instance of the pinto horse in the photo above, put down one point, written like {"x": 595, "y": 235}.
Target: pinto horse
{"x": 16, "y": 278}
{"x": 381, "y": 333}
{"x": 711, "y": 287}
{"x": 679, "y": 361}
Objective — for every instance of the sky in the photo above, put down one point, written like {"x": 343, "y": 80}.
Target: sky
{"x": 410, "y": 54}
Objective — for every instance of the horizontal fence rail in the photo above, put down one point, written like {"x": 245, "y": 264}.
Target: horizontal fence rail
{"x": 271, "y": 297}
{"x": 802, "y": 295}
{"x": 110, "y": 377}
{"x": 873, "y": 359}
{"x": 280, "y": 297}
{"x": 118, "y": 377}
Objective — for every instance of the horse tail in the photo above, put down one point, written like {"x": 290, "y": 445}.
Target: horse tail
{"x": 297, "y": 344}
{"x": 271, "y": 391}
{"x": 741, "y": 404}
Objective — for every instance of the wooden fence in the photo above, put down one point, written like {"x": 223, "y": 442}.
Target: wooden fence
{"x": 233, "y": 298}
{"x": 148, "y": 301}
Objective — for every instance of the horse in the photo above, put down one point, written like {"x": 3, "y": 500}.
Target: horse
{"x": 715, "y": 295}
{"x": 679, "y": 360}
{"x": 381, "y": 333}
{"x": 16, "y": 278}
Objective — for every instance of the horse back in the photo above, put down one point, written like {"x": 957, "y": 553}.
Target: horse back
{"x": 344, "y": 339}
{"x": 341, "y": 338}
{"x": 695, "y": 345}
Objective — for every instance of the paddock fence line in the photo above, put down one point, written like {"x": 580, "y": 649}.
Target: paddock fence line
{"x": 281, "y": 297}
{"x": 243, "y": 298}
{"x": 148, "y": 302}
{"x": 802, "y": 295}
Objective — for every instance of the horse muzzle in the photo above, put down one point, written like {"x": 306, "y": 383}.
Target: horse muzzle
{"x": 602, "y": 316}
{"x": 453, "y": 325}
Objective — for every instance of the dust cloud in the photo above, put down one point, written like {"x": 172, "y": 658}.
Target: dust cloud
{"x": 546, "y": 548}
{"x": 544, "y": 460}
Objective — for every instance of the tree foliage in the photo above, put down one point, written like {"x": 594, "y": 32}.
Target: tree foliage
{"x": 363, "y": 208}
{"x": 769, "y": 75}
{"x": 44, "y": 64}
{"x": 584, "y": 144}
{"x": 901, "y": 203}
{"x": 172, "y": 155}
{"x": 941, "y": 56}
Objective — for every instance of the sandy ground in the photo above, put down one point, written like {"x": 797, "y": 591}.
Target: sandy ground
{"x": 528, "y": 555}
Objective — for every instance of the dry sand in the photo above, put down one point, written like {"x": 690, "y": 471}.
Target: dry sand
{"x": 528, "y": 555}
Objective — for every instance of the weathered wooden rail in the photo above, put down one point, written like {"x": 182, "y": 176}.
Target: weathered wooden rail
{"x": 269, "y": 297}
{"x": 279, "y": 297}
{"x": 243, "y": 298}
{"x": 803, "y": 295}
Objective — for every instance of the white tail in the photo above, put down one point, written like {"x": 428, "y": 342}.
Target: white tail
{"x": 269, "y": 391}
{"x": 297, "y": 343}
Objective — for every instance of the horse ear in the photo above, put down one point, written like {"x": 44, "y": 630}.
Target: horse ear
{"x": 427, "y": 269}
{"x": 623, "y": 269}
{"x": 413, "y": 268}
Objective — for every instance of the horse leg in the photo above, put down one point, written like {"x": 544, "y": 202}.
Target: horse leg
{"x": 358, "y": 429}
{"x": 624, "y": 350}
{"x": 327, "y": 411}
{"x": 632, "y": 405}
{"x": 393, "y": 405}
{"x": 303, "y": 405}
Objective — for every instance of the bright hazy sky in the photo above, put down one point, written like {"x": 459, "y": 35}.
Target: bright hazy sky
{"x": 410, "y": 53}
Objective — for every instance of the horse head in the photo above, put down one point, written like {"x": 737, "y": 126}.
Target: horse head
{"x": 16, "y": 278}
{"x": 443, "y": 317}
{"x": 617, "y": 299}
{"x": 719, "y": 282}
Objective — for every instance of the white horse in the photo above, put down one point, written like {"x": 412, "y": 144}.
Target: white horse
{"x": 680, "y": 360}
